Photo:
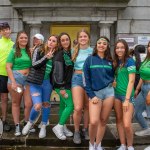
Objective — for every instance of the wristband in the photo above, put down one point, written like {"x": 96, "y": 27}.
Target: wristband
{"x": 127, "y": 99}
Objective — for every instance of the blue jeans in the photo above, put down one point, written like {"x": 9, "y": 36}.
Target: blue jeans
{"x": 40, "y": 94}
{"x": 140, "y": 105}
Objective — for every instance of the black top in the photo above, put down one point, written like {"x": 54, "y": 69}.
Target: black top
{"x": 37, "y": 71}
{"x": 62, "y": 70}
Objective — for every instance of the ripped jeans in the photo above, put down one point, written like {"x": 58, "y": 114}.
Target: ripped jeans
{"x": 41, "y": 100}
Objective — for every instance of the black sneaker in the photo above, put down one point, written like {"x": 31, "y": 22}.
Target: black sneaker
{"x": 6, "y": 126}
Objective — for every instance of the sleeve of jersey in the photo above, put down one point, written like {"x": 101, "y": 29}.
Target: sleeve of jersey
{"x": 131, "y": 66}
{"x": 11, "y": 56}
{"x": 87, "y": 79}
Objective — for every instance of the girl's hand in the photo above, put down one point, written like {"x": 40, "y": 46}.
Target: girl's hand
{"x": 62, "y": 92}
{"x": 14, "y": 85}
{"x": 125, "y": 105}
{"x": 49, "y": 55}
{"x": 95, "y": 100}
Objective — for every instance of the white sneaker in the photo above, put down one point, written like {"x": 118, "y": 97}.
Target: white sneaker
{"x": 42, "y": 133}
{"x": 67, "y": 132}
{"x": 92, "y": 147}
{"x": 147, "y": 148}
{"x": 99, "y": 147}
{"x": 144, "y": 132}
{"x": 26, "y": 128}
{"x": 130, "y": 148}
{"x": 39, "y": 126}
{"x": 122, "y": 147}
{"x": 17, "y": 130}
{"x": 59, "y": 131}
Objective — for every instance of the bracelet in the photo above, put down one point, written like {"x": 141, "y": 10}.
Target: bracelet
{"x": 127, "y": 99}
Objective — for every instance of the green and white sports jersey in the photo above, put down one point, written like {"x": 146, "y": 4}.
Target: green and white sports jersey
{"x": 145, "y": 70}
{"x": 122, "y": 77}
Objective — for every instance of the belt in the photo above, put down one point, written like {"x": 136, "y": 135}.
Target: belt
{"x": 146, "y": 81}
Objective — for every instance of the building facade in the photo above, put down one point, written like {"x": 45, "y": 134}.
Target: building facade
{"x": 128, "y": 19}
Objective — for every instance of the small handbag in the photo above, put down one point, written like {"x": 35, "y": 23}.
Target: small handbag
{"x": 148, "y": 98}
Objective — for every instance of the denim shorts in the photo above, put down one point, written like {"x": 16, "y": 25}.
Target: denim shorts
{"x": 105, "y": 92}
{"x": 77, "y": 80}
{"x": 122, "y": 99}
{"x": 19, "y": 78}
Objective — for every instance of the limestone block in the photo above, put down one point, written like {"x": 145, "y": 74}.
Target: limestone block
{"x": 141, "y": 27}
{"x": 139, "y": 3}
{"x": 5, "y": 12}
{"x": 5, "y": 2}
{"x": 135, "y": 13}
{"x": 123, "y": 26}
{"x": 17, "y": 25}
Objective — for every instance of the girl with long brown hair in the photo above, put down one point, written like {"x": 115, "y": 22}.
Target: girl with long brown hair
{"x": 18, "y": 64}
{"x": 62, "y": 75}
{"x": 40, "y": 84}
{"x": 99, "y": 76}
{"x": 81, "y": 51}
{"x": 124, "y": 93}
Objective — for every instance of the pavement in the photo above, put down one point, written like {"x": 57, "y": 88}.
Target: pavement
{"x": 32, "y": 142}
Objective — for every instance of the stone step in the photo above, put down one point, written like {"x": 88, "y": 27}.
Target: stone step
{"x": 33, "y": 140}
{"x": 110, "y": 140}
{"x": 62, "y": 148}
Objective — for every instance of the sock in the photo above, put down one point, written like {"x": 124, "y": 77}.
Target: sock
{"x": 59, "y": 125}
{"x": 130, "y": 148}
{"x": 123, "y": 145}
{"x": 98, "y": 145}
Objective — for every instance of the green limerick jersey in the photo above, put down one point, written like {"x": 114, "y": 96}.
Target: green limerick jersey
{"x": 19, "y": 63}
{"x": 145, "y": 70}
{"x": 122, "y": 77}
{"x": 5, "y": 46}
{"x": 48, "y": 69}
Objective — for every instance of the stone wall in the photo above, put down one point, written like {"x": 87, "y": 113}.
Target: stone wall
{"x": 132, "y": 21}
{"x": 11, "y": 16}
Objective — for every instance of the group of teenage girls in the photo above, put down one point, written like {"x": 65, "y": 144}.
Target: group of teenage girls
{"x": 89, "y": 82}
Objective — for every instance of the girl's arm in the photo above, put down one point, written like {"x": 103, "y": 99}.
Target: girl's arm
{"x": 131, "y": 71}
{"x": 87, "y": 79}
{"x": 129, "y": 91}
{"x": 39, "y": 61}
{"x": 130, "y": 86}
{"x": 10, "y": 75}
